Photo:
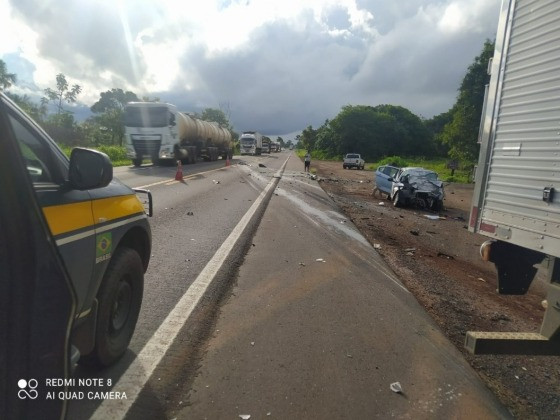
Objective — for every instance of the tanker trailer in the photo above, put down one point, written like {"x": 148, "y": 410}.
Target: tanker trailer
{"x": 159, "y": 132}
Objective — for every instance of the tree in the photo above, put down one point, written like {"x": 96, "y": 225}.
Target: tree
{"x": 37, "y": 112}
{"x": 63, "y": 92}
{"x": 114, "y": 99}
{"x": 215, "y": 115}
{"x": 110, "y": 109}
{"x": 461, "y": 134}
{"x": 6, "y": 79}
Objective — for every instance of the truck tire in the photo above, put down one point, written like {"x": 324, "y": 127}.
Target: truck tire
{"x": 137, "y": 162}
{"x": 120, "y": 298}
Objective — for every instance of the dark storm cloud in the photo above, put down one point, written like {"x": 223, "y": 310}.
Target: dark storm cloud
{"x": 284, "y": 80}
{"x": 291, "y": 73}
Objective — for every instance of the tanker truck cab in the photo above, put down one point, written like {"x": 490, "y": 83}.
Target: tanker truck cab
{"x": 150, "y": 131}
{"x": 101, "y": 231}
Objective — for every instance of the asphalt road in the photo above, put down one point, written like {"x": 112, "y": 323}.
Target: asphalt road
{"x": 191, "y": 220}
{"x": 301, "y": 318}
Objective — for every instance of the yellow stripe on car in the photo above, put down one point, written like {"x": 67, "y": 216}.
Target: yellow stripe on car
{"x": 68, "y": 217}
{"x": 111, "y": 208}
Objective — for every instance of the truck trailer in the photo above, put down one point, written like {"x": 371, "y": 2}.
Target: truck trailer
{"x": 516, "y": 202}
{"x": 160, "y": 132}
{"x": 251, "y": 143}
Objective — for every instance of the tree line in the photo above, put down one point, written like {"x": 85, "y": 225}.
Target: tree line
{"x": 104, "y": 127}
{"x": 389, "y": 130}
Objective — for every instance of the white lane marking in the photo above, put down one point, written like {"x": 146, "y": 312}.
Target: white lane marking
{"x": 138, "y": 373}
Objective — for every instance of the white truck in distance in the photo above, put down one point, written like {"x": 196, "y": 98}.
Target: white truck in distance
{"x": 353, "y": 160}
{"x": 251, "y": 143}
{"x": 159, "y": 132}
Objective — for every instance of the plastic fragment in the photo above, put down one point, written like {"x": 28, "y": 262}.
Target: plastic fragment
{"x": 396, "y": 387}
{"x": 320, "y": 260}
{"x": 245, "y": 416}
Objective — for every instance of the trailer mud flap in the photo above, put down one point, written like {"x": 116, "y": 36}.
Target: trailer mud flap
{"x": 515, "y": 266}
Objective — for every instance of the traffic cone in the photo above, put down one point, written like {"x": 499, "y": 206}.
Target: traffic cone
{"x": 227, "y": 161}
{"x": 179, "y": 173}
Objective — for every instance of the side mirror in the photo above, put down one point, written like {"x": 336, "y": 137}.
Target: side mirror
{"x": 89, "y": 169}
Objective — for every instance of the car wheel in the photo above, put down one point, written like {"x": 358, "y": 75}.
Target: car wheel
{"x": 437, "y": 205}
{"x": 343, "y": 166}
{"x": 397, "y": 199}
{"x": 120, "y": 298}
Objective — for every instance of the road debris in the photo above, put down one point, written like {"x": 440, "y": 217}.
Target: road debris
{"x": 320, "y": 260}
{"x": 415, "y": 232}
{"x": 245, "y": 416}
{"x": 444, "y": 255}
{"x": 302, "y": 264}
{"x": 396, "y": 387}
{"x": 262, "y": 165}
{"x": 215, "y": 182}
{"x": 377, "y": 246}
{"x": 190, "y": 213}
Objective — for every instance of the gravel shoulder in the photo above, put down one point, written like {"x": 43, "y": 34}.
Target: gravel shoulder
{"x": 438, "y": 261}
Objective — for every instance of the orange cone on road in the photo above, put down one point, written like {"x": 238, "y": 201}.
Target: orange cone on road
{"x": 179, "y": 173}
{"x": 227, "y": 161}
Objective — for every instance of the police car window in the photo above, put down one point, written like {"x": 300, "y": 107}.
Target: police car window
{"x": 35, "y": 153}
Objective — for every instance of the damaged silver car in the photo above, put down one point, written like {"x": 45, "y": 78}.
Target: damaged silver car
{"x": 417, "y": 187}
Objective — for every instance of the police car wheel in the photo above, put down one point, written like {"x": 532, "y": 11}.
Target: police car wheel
{"x": 120, "y": 298}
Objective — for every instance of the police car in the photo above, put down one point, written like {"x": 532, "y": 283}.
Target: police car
{"x": 101, "y": 231}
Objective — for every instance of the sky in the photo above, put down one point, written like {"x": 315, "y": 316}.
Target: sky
{"x": 271, "y": 66}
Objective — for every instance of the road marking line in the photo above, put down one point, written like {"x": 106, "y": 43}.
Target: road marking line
{"x": 138, "y": 373}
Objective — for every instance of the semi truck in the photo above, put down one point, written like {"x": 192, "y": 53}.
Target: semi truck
{"x": 266, "y": 144}
{"x": 158, "y": 131}
{"x": 251, "y": 143}
{"x": 516, "y": 203}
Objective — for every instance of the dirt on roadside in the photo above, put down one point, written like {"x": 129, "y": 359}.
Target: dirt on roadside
{"x": 438, "y": 260}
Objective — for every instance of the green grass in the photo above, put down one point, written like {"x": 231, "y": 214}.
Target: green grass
{"x": 117, "y": 154}
{"x": 439, "y": 165}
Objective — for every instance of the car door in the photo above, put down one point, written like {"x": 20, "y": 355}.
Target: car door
{"x": 383, "y": 174}
{"x": 68, "y": 211}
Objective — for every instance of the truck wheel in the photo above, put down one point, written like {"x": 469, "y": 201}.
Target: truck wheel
{"x": 137, "y": 162}
{"x": 120, "y": 297}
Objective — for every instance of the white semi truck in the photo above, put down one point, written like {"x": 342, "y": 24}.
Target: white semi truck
{"x": 158, "y": 131}
{"x": 251, "y": 143}
{"x": 516, "y": 201}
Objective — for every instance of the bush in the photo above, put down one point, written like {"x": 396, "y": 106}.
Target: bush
{"x": 115, "y": 153}
{"x": 394, "y": 161}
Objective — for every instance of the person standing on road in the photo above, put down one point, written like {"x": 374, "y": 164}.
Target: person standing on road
{"x": 307, "y": 161}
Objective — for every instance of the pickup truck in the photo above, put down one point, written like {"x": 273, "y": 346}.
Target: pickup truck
{"x": 353, "y": 160}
